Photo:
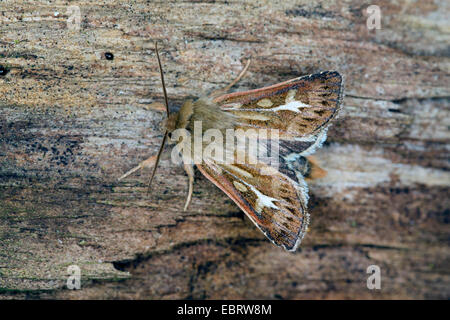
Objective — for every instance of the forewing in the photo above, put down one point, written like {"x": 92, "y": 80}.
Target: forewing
{"x": 298, "y": 108}
{"x": 274, "y": 202}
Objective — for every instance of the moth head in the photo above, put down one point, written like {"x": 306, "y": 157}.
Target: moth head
{"x": 175, "y": 120}
{"x": 171, "y": 123}
{"x": 179, "y": 120}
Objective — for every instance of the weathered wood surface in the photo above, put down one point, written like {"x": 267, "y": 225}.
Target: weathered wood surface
{"x": 71, "y": 122}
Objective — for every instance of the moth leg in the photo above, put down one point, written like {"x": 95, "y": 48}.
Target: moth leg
{"x": 228, "y": 87}
{"x": 239, "y": 77}
{"x": 150, "y": 162}
{"x": 190, "y": 172}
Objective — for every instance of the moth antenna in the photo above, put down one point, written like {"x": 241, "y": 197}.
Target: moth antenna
{"x": 167, "y": 111}
{"x": 162, "y": 80}
{"x": 157, "y": 159}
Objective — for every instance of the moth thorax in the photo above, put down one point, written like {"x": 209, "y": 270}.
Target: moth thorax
{"x": 172, "y": 122}
{"x": 184, "y": 115}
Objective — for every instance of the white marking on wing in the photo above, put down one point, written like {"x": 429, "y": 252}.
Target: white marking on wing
{"x": 291, "y": 106}
{"x": 262, "y": 200}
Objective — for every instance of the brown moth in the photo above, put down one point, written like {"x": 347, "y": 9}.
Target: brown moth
{"x": 300, "y": 110}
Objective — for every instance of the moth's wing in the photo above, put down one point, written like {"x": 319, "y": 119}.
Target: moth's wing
{"x": 300, "y": 108}
{"x": 273, "y": 201}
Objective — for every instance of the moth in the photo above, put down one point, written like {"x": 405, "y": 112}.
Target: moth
{"x": 300, "y": 110}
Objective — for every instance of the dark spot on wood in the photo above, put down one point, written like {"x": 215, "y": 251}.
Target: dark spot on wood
{"x": 109, "y": 56}
{"x": 3, "y": 71}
